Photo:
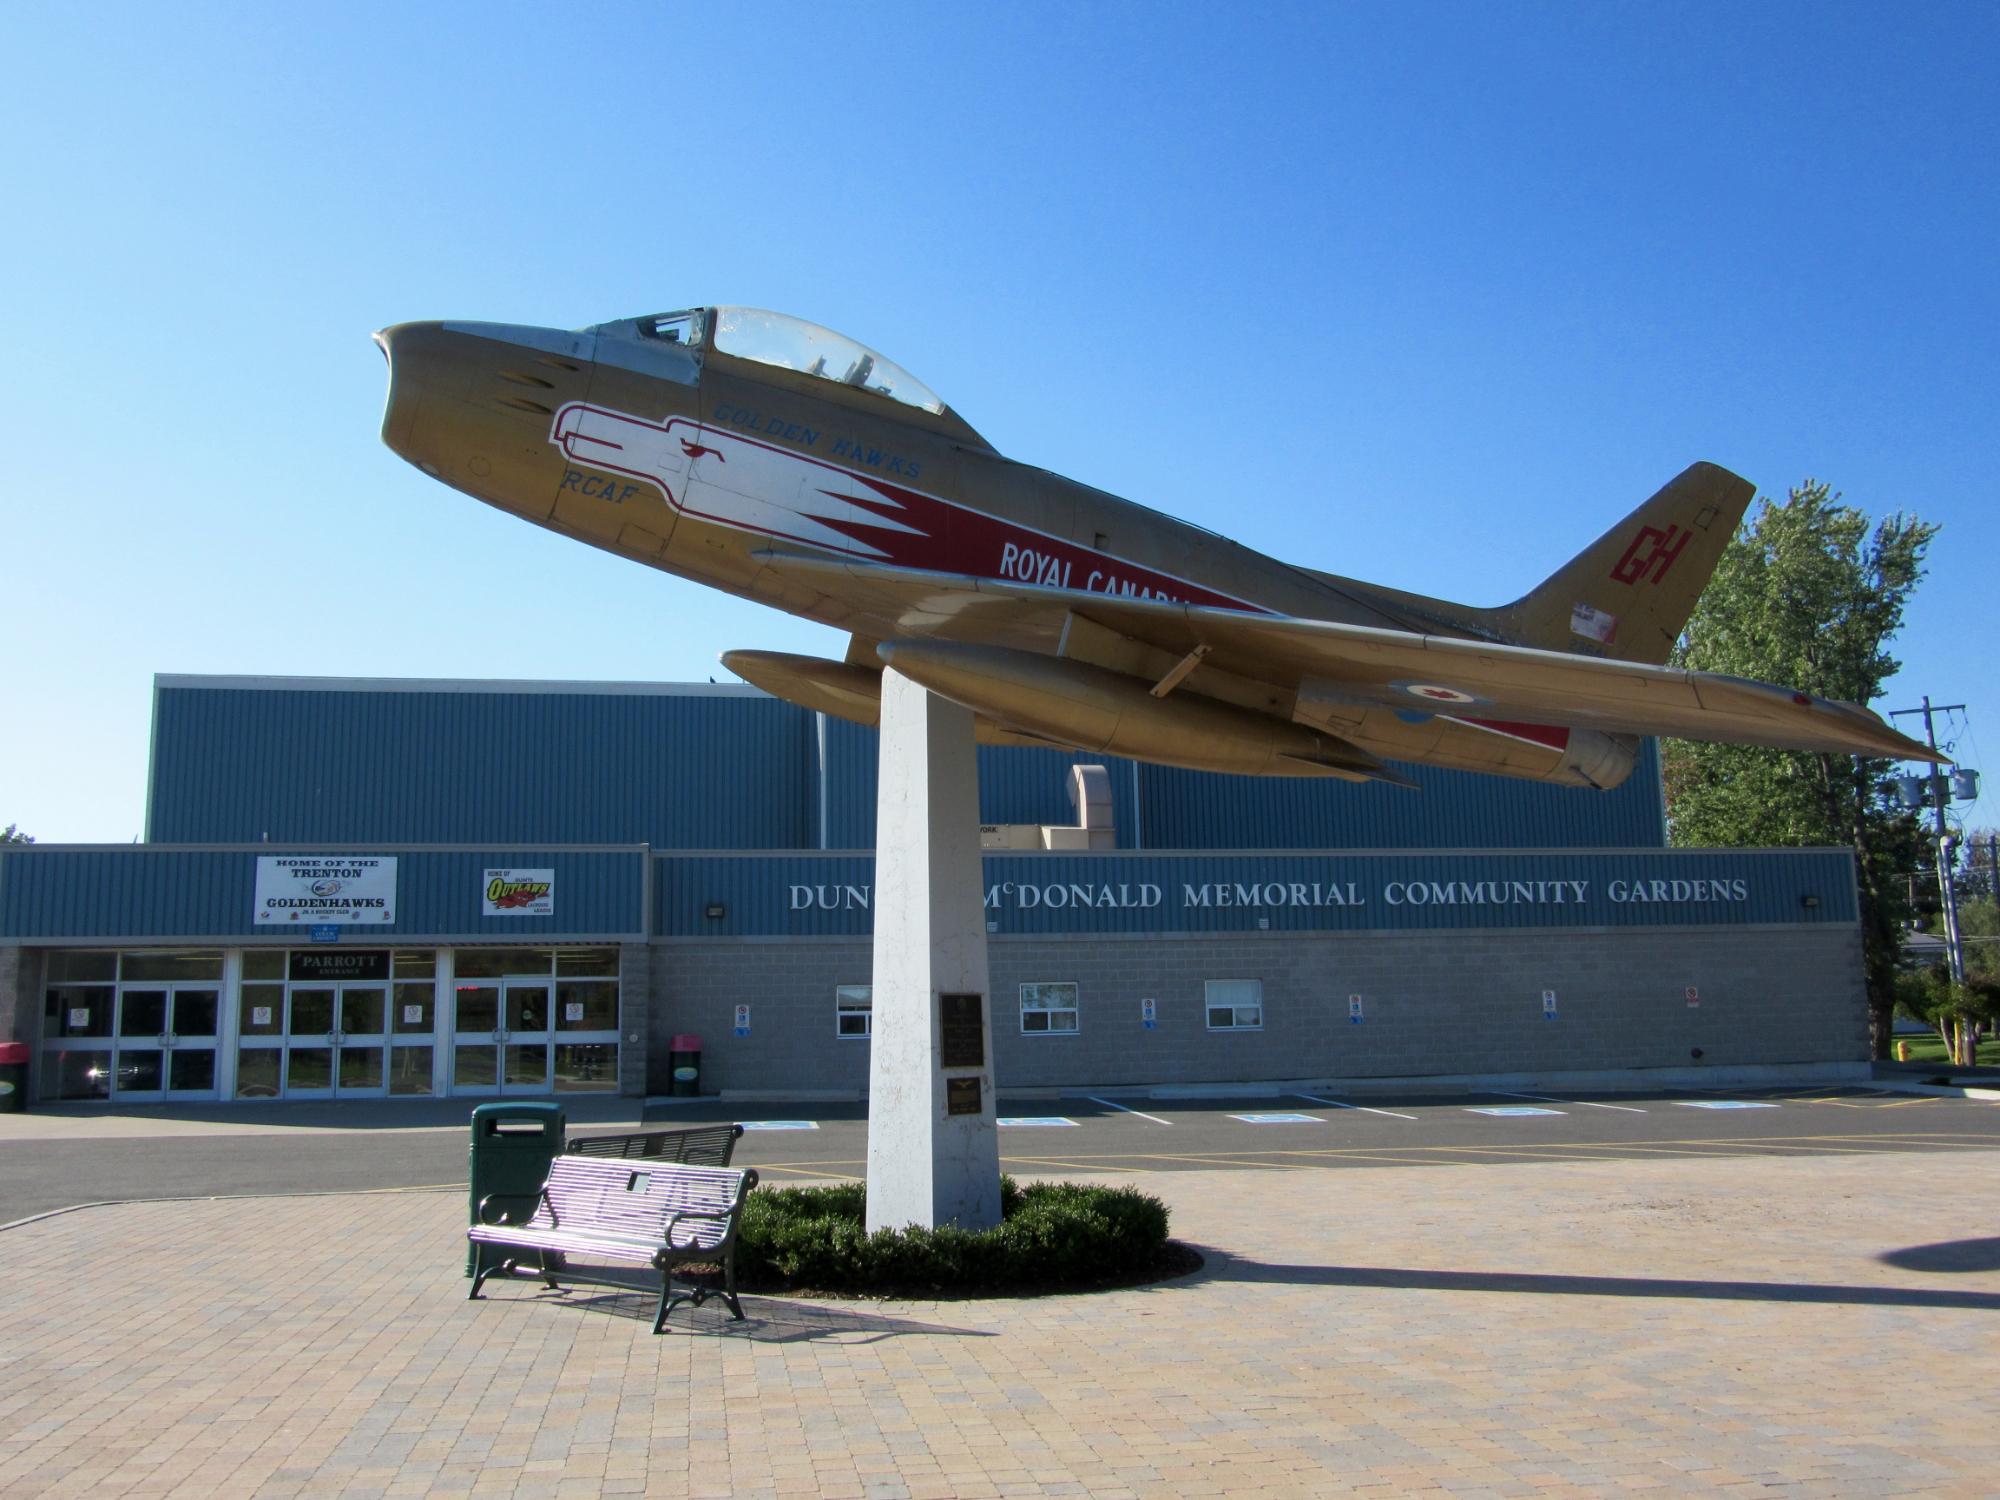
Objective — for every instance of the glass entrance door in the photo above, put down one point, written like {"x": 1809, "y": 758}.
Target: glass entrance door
{"x": 500, "y": 1037}
{"x": 335, "y": 1041}
{"x": 164, "y": 1044}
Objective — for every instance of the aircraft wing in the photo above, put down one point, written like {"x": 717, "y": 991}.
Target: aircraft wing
{"x": 1361, "y": 665}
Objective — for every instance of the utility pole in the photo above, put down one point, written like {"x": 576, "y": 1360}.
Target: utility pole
{"x": 1947, "y": 887}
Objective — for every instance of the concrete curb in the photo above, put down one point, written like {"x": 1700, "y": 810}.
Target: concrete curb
{"x": 1940, "y": 1090}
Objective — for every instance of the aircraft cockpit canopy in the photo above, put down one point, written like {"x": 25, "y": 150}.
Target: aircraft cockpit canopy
{"x": 789, "y": 343}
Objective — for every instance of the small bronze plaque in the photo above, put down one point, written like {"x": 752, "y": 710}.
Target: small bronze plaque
{"x": 961, "y": 1037}
{"x": 961, "y": 1096}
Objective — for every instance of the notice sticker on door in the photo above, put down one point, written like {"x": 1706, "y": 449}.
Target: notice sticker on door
{"x": 1354, "y": 1010}
{"x": 1149, "y": 1014}
{"x": 743, "y": 1020}
{"x": 1548, "y": 1005}
{"x": 572, "y": 1010}
{"x": 79, "y": 1017}
{"x": 413, "y": 1015}
{"x": 260, "y": 1015}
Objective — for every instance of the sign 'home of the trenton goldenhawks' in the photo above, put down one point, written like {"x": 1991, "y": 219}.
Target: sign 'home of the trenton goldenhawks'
{"x": 1138, "y": 892}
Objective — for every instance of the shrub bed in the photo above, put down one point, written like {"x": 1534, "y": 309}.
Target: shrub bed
{"x": 1053, "y": 1236}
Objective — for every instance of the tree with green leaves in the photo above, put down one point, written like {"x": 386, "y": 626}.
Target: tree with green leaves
{"x": 1959, "y": 1013}
{"x": 1810, "y": 594}
{"x": 12, "y": 835}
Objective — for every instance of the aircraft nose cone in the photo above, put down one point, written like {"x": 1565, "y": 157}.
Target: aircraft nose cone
{"x": 473, "y": 405}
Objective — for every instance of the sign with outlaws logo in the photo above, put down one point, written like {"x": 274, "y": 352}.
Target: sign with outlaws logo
{"x": 325, "y": 888}
{"x": 519, "y": 893}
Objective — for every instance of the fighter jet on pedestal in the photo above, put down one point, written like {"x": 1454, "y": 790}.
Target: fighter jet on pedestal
{"x": 766, "y": 456}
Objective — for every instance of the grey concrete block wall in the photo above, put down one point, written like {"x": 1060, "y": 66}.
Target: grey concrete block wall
{"x": 1433, "y": 1003}
{"x": 788, "y": 983}
{"x": 635, "y": 1013}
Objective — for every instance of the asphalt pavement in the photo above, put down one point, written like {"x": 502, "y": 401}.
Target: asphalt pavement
{"x": 58, "y": 1158}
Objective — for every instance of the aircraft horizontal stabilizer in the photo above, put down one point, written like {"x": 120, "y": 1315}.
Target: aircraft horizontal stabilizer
{"x": 1411, "y": 673}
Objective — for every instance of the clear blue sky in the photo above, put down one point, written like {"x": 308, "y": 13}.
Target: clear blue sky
{"x": 1427, "y": 294}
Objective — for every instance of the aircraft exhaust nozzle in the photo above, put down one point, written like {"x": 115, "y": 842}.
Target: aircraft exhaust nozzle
{"x": 1095, "y": 709}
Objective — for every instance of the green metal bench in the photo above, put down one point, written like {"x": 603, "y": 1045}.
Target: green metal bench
{"x": 664, "y": 1215}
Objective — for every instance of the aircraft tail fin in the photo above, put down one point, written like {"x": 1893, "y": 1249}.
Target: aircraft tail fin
{"x": 1628, "y": 594}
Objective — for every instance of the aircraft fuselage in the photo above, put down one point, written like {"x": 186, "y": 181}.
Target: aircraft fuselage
{"x": 702, "y": 444}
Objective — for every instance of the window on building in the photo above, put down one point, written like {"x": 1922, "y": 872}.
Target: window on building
{"x": 492, "y": 963}
{"x": 193, "y": 963}
{"x": 1234, "y": 1004}
{"x": 853, "y": 1009}
{"x": 1047, "y": 1009}
{"x": 264, "y": 963}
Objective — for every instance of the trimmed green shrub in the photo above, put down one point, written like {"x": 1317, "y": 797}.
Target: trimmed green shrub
{"x": 1052, "y": 1235}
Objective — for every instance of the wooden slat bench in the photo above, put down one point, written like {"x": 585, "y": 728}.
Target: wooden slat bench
{"x": 704, "y": 1145}
{"x": 662, "y": 1215}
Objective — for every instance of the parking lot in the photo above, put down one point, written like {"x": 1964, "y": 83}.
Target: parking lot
{"x": 1289, "y": 1132}
{"x": 83, "y": 1155}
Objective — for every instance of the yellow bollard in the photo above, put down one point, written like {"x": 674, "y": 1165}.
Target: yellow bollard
{"x": 1902, "y": 1052}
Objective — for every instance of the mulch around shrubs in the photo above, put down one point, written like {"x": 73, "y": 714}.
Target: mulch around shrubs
{"x": 1173, "y": 1261}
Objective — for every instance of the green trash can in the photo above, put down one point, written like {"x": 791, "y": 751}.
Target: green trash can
{"x": 512, "y": 1146}
{"x": 13, "y": 1076}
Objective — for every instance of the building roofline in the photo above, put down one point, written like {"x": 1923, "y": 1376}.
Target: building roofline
{"x": 163, "y": 681}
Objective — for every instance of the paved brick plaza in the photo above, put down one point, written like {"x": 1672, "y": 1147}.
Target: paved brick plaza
{"x": 1679, "y": 1326}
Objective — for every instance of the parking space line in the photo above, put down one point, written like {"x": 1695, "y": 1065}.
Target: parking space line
{"x": 1533, "y": 1153}
{"x": 1625, "y": 1148}
{"x": 1340, "y": 1104}
{"x": 1580, "y": 1103}
{"x": 1220, "y": 1160}
{"x": 1725, "y": 1104}
{"x": 785, "y": 1166}
{"x": 1872, "y": 1142}
{"x": 1114, "y": 1104}
{"x": 1390, "y": 1155}
{"x": 1088, "y": 1164}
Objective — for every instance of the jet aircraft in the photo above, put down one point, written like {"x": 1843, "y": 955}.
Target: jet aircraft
{"x": 777, "y": 460}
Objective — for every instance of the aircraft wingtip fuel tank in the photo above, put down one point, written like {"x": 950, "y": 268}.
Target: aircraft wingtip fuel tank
{"x": 777, "y": 460}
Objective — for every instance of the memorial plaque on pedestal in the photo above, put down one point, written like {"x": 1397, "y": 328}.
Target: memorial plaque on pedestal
{"x": 961, "y": 1096}
{"x": 961, "y": 1036}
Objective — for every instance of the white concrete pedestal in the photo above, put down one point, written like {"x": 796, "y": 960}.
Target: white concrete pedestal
{"x": 927, "y": 1165}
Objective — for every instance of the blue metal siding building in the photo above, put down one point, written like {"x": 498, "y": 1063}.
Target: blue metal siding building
{"x": 704, "y": 865}
{"x": 706, "y": 767}
{"x": 153, "y": 893}
{"x": 1081, "y": 894}
{"x": 288, "y": 760}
